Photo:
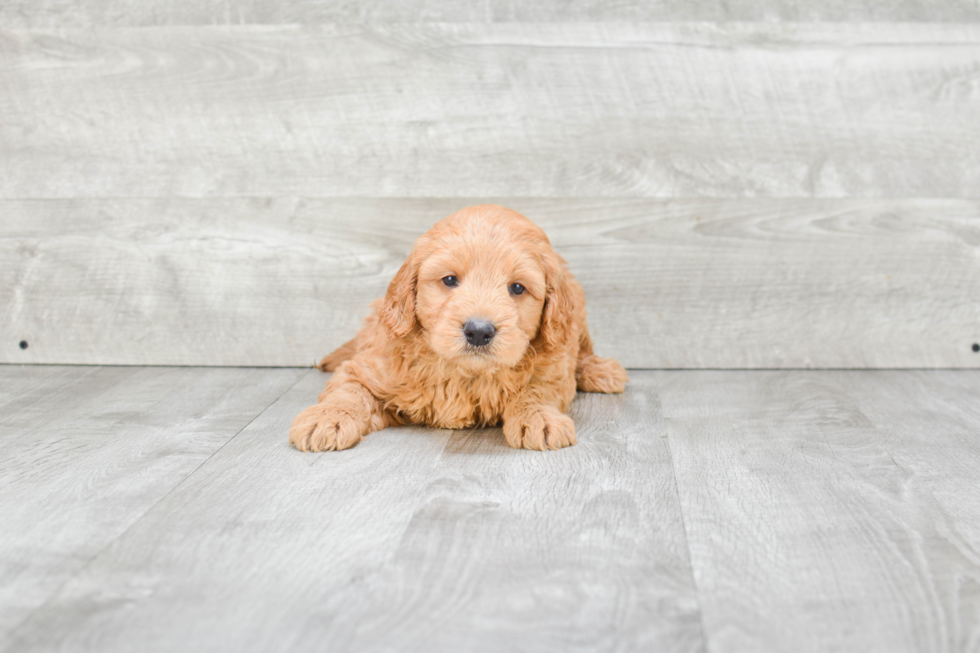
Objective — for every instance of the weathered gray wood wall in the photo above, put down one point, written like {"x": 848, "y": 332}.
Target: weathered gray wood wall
{"x": 100, "y": 13}
{"x": 776, "y": 185}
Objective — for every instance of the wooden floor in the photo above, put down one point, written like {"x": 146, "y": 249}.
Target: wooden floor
{"x": 161, "y": 509}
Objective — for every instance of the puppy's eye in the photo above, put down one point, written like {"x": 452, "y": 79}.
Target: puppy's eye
{"x": 451, "y": 281}
{"x": 516, "y": 289}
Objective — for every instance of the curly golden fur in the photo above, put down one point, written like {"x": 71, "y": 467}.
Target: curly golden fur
{"x": 411, "y": 362}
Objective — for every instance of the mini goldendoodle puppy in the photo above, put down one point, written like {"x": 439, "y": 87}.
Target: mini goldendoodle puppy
{"x": 482, "y": 323}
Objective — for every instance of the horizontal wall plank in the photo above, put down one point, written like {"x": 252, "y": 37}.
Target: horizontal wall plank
{"x": 460, "y": 110}
{"x": 101, "y": 13}
{"x": 670, "y": 283}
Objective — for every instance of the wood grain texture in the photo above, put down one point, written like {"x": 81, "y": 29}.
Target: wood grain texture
{"x": 582, "y": 551}
{"x": 461, "y": 110}
{"x": 932, "y": 422}
{"x": 822, "y": 511}
{"x": 830, "y": 511}
{"x": 415, "y": 540}
{"x": 681, "y": 283}
{"x": 101, "y": 13}
{"x": 87, "y": 451}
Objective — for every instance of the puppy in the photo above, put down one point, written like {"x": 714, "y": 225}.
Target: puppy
{"x": 483, "y": 323}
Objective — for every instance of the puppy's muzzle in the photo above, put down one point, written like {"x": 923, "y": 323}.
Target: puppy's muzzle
{"x": 479, "y": 333}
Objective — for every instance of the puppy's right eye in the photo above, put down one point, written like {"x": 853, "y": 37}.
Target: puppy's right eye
{"x": 450, "y": 281}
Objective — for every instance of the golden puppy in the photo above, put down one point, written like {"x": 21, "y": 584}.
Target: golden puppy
{"x": 482, "y": 323}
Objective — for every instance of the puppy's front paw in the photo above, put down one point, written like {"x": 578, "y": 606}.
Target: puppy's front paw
{"x": 326, "y": 427}
{"x": 541, "y": 428}
{"x": 596, "y": 374}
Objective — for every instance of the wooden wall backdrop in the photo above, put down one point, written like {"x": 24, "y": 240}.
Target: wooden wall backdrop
{"x": 737, "y": 184}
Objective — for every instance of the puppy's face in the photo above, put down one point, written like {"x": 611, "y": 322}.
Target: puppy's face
{"x": 479, "y": 303}
{"x": 481, "y": 283}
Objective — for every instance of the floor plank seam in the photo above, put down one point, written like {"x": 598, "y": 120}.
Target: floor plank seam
{"x": 12, "y": 633}
{"x": 687, "y": 538}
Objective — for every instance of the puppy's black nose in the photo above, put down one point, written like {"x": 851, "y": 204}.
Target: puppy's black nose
{"x": 479, "y": 333}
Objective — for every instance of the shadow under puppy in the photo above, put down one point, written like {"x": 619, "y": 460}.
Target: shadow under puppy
{"x": 482, "y": 323}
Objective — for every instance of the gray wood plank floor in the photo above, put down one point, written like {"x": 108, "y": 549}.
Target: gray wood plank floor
{"x": 162, "y": 509}
{"x": 831, "y": 510}
{"x": 86, "y": 451}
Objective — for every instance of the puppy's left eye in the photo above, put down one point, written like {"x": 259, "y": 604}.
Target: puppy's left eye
{"x": 451, "y": 281}
{"x": 516, "y": 289}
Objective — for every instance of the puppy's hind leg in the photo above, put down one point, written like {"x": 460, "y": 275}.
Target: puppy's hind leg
{"x": 332, "y": 361}
{"x": 346, "y": 412}
{"x": 595, "y": 374}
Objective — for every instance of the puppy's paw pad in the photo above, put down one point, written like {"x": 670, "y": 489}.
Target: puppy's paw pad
{"x": 324, "y": 427}
{"x": 541, "y": 428}
{"x": 596, "y": 374}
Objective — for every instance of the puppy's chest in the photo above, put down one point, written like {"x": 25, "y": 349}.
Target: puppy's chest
{"x": 459, "y": 401}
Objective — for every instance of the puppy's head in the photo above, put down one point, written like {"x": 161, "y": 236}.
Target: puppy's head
{"x": 481, "y": 287}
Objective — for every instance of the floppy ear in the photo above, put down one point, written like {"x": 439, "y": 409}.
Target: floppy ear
{"x": 398, "y": 309}
{"x": 558, "y": 313}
